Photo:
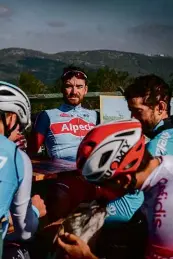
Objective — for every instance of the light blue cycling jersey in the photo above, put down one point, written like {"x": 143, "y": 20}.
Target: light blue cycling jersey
{"x": 162, "y": 143}
{"x": 123, "y": 209}
{"x": 15, "y": 191}
{"x": 64, "y": 128}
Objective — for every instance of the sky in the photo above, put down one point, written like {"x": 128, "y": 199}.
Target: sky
{"x": 141, "y": 26}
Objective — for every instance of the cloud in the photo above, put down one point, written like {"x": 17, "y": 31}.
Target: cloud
{"x": 153, "y": 30}
{"x": 4, "y": 11}
{"x": 155, "y": 37}
{"x": 57, "y": 24}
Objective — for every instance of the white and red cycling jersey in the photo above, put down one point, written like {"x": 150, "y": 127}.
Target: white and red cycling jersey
{"x": 158, "y": 207}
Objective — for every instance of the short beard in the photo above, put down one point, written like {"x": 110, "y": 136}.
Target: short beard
{"x": 148, "y": 129}
{"x": 67, "y": 101}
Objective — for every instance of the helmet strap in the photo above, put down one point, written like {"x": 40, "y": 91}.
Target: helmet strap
{"x": 7, "y": 132}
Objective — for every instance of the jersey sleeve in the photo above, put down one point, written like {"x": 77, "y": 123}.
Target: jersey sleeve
{"x": 122, "y": 209}
{"x": 24, "y": 218}
{"x": 42, "y": 123}
{"x": 152, "y": 146}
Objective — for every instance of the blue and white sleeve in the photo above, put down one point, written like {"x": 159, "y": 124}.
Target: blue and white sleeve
{"x": 24, "y": 217}
{"x": 122, "y": 209}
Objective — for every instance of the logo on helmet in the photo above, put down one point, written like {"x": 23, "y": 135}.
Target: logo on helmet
{"x": 124, "y": 148}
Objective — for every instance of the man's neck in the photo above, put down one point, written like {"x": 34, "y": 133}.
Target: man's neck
{"x": 164, "y": 116}
{"x": 72, "y": 105}
{"x": 149, "y": 133}
{"x": 142, "y": 175}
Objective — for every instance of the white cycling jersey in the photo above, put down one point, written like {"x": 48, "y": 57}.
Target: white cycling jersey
{"x": 158, "y": 207}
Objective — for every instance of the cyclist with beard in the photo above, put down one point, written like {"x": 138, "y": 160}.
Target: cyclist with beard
{"x": 148, "y": 100}
{"x": 63, "y": 128}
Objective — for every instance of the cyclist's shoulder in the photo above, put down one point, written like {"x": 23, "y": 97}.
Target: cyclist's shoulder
{"x": 162, "y": 143}
{"x": 46, "y": 112}
{"x": 167, "y": 133}
{"x": 90, "y": 113}
{"x": 8, "y": 152}
{"x": 11, "y": 150}
{"x": 43, "y": 116}
{"x": 5, "y": 139}
{"x": 162, "y": 131}
{"x": 55, "y": 112}
{"x": 167, "y": 162}
{"x": 7, "y": 145}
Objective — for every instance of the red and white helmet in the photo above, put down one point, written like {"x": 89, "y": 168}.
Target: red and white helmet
{"x": 111, "y": 149}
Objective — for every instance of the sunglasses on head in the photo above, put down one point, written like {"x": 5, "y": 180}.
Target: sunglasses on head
{"x": 78, "y": 74}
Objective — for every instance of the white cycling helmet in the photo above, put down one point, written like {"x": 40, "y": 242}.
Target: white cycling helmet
{"x": 13, "y": 99}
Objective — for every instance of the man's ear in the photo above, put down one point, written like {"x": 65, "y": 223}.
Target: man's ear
{"x": 86, "y": 89}
{"x": 162, "y": 107}
{"x": 11, "y": 120}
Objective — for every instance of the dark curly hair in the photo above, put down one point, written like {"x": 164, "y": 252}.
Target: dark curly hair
{"x": 152, "y": 89}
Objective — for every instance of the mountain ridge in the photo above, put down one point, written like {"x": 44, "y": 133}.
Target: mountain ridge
{"x": 48, "y": 67}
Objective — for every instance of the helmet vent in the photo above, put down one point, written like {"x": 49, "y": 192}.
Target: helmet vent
{"x": 105, "y": 158}
{"x": 94, "y": 176}
{"x": 140, "y": 146}
{"x": 127, "y": 133}
{"x": 131, "y": 164}
{"x": 21, "y": 107}
{"x": 6, "y": 93}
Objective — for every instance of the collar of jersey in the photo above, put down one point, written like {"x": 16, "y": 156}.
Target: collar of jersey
{"x": 158, "y": 125}
{"x": 68, "y": 107}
